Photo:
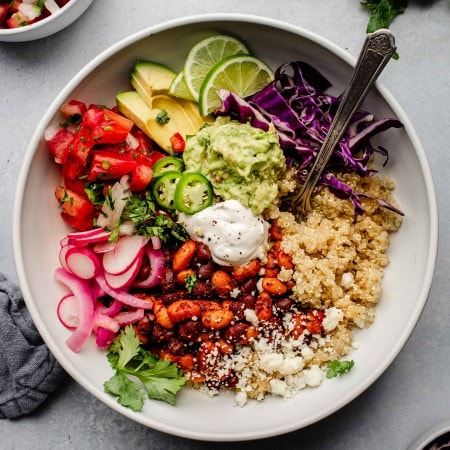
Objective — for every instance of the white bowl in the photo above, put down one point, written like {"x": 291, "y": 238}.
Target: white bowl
{"x": 436, "y": 435}
{"x": 48, "y": 26}
{"x": 38, "y": 228}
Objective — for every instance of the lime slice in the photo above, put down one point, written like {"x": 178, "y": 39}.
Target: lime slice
{"x": 205, "y": 55}
{"x": 178, "y": 88}
{"x": 243, "y": 74}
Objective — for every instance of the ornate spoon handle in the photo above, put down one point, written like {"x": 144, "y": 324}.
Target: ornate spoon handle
{"x": 377, "y": 50}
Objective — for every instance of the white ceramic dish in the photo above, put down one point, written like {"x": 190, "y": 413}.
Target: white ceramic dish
{"x": 38, "y": 228}
{"x": 48, "y": 26}
{"x": 437, "y": 435}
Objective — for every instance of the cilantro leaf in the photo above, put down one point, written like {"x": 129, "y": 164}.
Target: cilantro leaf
{"x": 128, "y": 392}
{"x": 141, "y": 210}
{"x": 336, "y": 368}
{"x": 382, "y": 13}
{"x": 139, "y": 373}
{"x": 162, "y": 117}
{"x": 191, "y": 282}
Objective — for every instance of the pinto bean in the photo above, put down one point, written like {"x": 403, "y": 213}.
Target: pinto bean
{"x": 251, "y": 333}
{"x": 250, "y": 270}
{"x": 224, "y": 346}
{"x": 222, "y": 282}
{"x": 184, "y": 255}
{"x": 161, "y": 314}
{"x": 274, "y": 286}
{"x": 186, "y": 361}
{"x": 314, "y": 320}
{"x": 207, "y": 357}
{"x": 217, "y": 318}
{"x": 182, "y": 275}
{"x": 284, "y": 260}
{"x": 183, "y": 310}
{"x": 263, "y": 306}
{"x": 275, "y": 231}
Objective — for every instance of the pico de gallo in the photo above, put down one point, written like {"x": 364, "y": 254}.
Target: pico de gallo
{"x": 19, "y": 13}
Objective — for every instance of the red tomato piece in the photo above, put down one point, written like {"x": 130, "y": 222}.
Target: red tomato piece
{"x": 73, "y": 107}
{"x": 81, "y": 144}
{"x": 145, "y": 145}
{"x": 73, "y": 169}
{"x": 74, "y": 204}
{"x": 58, "y": 145}
{"x": 107, "y": 126}
{"x": 78, "y": 224}
{"x": 17, "y": 20}
{"x": 108, "y": 165}
{"x": 177, "y": 143}
{"x": 4, "y": 8}
{"x": 14, "y": 5}
{"x": 142, "y": 173}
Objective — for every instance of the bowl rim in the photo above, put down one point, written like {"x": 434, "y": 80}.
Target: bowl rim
{"x": 430, "y": 434}
{"x": 347, "y": 58}
{"x": 40, "y": 23}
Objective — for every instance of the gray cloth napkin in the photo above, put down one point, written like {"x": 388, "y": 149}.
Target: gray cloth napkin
{"x": 28, "y": 371}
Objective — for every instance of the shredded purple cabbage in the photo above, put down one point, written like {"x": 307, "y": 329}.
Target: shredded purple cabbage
{"x": 301, "y": 112}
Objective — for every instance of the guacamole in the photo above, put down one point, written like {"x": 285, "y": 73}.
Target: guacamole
{"x": 243, "y": 163}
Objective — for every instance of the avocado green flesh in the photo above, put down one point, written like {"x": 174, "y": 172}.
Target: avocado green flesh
{"x": 242, "y": 162}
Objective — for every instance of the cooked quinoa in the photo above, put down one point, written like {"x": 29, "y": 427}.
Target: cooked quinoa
{"x": 339, "y": 260}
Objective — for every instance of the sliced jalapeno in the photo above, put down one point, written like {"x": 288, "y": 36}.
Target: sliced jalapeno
{"x": 167, "y": 164}
{"x": 193, "y": 193}
{"x": 164, "y": 188}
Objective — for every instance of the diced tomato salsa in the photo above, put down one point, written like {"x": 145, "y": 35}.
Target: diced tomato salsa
{"x": 16, "y": 13}
{"x": 97, "y": 145}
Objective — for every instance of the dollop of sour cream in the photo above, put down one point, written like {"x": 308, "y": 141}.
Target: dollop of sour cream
{"x": 232, "y": 232}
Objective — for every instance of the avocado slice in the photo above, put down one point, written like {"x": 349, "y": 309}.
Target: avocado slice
{"x": 132, "y": 105}
{"x": 150, "y": 78}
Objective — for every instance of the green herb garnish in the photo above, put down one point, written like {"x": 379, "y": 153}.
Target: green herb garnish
{"x": 139, "y": 373}
{"x": 162, "y": 117}
{"x": 382, "y": 13}
{"x": 336, "y": 368}
{"x": 148, "y": 222}
{"x": 190, "y": 282}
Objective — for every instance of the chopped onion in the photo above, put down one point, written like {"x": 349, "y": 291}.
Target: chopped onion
{"x": 123, "y": 296}
{"x": 156, "y": 260}
{"x": 127, "y": 317}
{"x": 132, "y": 141}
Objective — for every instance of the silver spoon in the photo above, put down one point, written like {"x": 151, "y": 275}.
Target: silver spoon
{"x": 376, "y": 52}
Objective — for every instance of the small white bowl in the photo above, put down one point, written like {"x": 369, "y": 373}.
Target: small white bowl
{"x": 38, "y": 229}
{"x": 430, "y": 436}
{"x": 48, "y": 26}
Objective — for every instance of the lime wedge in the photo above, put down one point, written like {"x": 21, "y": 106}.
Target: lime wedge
{"x": 205, "y": 55}
{"x": 243, "y": 74}
{"x": 178, "y": 88}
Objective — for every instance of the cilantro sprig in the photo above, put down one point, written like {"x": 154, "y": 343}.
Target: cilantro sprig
{"x": 336, "y": 368}
{"x": 140, "y": 374}
{"x": 148, "y": 222}
{"x": 382, "y": 13}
